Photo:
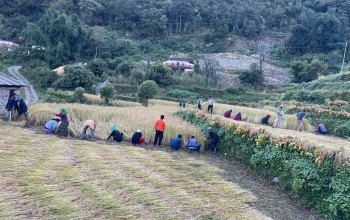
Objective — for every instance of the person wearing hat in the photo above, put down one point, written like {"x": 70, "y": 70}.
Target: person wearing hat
{"x": 176, "y": 142}
{"x": 214, "y": 140}
{"x": 265, "y": 120}
{"x": 321, "y": 128}
{"x": 117, "y": 135}
{"x": 193, "y": 145}
{"x": 89, "y": 124}
{"x": 51, "y": 126}
{"x": 228, "y": 114}
{"x": 63, "y": 127}
{"x": 137, "y": 137}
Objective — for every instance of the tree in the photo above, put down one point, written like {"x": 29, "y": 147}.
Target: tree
{"x": 124, "y": 68}
{"x": 306, "y": 71}
{"x": 253, "y": 76}
{"x": 75, "y": 76}
{"x": 97, "y": 66}
{"x": 148, "y": 90}
{"x": 79, "y": 94}
{"x": 210, "y": 65}
{"x": 107, "y": 92}
{"x": 160, "y": 73}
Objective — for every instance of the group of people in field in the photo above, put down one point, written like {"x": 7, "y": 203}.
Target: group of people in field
{"x": 17, "y": 104}
{"x": 54, "y": 126}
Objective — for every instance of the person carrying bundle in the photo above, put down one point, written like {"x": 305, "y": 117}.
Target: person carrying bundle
{"x": 279, "y": 117}
{"x": 137, "y": 137}
{"x": 117, "y": 135}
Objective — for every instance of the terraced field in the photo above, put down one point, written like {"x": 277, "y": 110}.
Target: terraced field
{"x": 44, "y": 177}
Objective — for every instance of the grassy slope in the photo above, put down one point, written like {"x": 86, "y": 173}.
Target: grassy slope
{"x": 45, "y": 177}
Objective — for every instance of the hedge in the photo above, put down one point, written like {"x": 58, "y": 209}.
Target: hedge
{"x": 309, "y": 176}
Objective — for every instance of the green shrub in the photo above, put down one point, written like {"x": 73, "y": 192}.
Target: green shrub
{"x": 315, "y": 181}
{"x": 148, "y": 90}
{"x": 107, "y": 92}
{"x": 79, "y": 95}
{"x": 342, "y": 130}
{"x": 182, "y": 94}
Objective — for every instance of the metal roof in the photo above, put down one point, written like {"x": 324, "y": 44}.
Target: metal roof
{"x": 6, "y": 80}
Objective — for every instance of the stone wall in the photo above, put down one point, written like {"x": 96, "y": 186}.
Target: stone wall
{"x": 4, "y": 96}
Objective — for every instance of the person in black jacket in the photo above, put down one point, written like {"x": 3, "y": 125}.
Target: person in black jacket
{"x": 265, "y": 120}
{"x": 117, "y": 135}
{"x": 11, "y": 106}
{"x": 137, "y": 137}
{"x": 214, "y": 140}
{"x": 22, "y": 109}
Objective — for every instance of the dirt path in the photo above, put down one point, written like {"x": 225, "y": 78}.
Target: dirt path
{"x": 31, "y": 96}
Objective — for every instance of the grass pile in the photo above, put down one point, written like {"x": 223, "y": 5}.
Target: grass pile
{"x": 254, "y": 115}
{"x": 328, "y": 146}
{"x": 127, "y": 119}
{"x": 45, "y": 177}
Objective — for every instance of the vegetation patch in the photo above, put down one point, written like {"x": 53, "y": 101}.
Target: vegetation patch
{"x": 313, "y": 174}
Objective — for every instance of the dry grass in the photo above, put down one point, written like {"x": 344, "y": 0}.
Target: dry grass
{"x": 45, "y": 177}
{"x": 254, "y": 115}
{"x": 128, "y": 120}
{"x": 329, "y": 146}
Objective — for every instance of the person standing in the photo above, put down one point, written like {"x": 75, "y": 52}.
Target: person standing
{"x": 214, "y": 140}
{"x": 300, "y": 117}
{"x": 23, "y": 109}
{"x": 117, "y": 135}
{"x": 210, "y": 105}
{"x": 176, "y": 142}
{"x": 279, "y": 117}
{"x": 89, "y": 124}
{"x": 199, "y": 103}
{"x": 63, "y": 127}
{"x": 137, "y": 137}
{"x": 159, "y": 127}
{"x": 11, "y": 106}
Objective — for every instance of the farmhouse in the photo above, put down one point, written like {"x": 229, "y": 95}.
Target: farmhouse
{"x": 8, "y": 86}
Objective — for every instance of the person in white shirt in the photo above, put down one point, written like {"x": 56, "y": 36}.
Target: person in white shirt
{"x": 210, "y": 105}
{"x": 279, "y": 117}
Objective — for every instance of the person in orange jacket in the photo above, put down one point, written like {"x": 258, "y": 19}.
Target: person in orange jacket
{"x": 159, "y": 127}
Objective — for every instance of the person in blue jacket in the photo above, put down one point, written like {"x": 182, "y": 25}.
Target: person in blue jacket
{"x": 192, "y": 144}
{"x": 51, "y": 126}
{"x": 176, "y": 142}
{"x": 321, "y": 128}
{"x": 300, "y": 117}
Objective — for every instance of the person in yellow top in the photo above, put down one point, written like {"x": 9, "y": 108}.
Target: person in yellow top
{"x": 159, "y": 127}
{"x": 89, "y": 124}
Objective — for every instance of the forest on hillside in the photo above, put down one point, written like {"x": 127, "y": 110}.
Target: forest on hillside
{"x": 313, "y": 32}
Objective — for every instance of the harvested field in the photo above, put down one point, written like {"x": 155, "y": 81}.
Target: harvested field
{"x": 127, "y": 119}
{"x": 45, "y": 177}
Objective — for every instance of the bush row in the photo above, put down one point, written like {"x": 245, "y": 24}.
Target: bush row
{"x": 307, "y": 175}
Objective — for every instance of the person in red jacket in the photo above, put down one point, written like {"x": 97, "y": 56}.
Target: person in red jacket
{"x": 159, "y": 127}
{"x": 228, "y": 114}
{"x": 238, "y": 117}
